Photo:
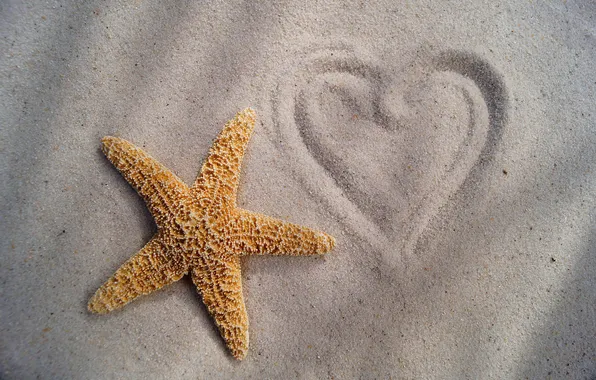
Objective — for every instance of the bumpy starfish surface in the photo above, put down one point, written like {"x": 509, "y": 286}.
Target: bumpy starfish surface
{"x": 201, "y": 231}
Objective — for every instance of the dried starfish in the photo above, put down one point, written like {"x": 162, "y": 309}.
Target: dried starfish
{"x": 201, "y": 231}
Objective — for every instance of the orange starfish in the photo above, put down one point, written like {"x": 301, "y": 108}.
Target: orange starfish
{"x": 201, "y": 231}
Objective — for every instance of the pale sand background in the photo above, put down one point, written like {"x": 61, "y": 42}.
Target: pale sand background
{"x": 449, "y": 146}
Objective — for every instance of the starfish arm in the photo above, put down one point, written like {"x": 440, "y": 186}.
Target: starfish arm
{"x": 150, "y": 269}
{"x": 159, "y": 187}
{"x": 256, "y": 234}
{"x": 218, "y": 179}
{"x": 218, "y": 280}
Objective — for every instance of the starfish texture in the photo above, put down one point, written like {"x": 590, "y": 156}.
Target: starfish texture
{"x": 201, "y": 231}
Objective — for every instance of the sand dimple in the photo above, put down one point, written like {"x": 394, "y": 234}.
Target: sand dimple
{"x": 386, "y": 149}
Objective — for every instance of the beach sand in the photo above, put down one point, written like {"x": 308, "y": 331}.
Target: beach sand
{"x": 450, "y": 148}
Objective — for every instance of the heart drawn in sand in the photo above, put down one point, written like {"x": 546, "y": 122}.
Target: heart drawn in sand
{"x": 385, "y": 148}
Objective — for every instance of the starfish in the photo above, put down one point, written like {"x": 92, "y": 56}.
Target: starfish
{"x": 201, "y": 231}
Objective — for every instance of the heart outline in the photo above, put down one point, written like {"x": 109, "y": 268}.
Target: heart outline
{"x": 289, "y": 113}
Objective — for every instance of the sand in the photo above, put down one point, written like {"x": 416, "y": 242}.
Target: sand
{"x": 450, "y": 147}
